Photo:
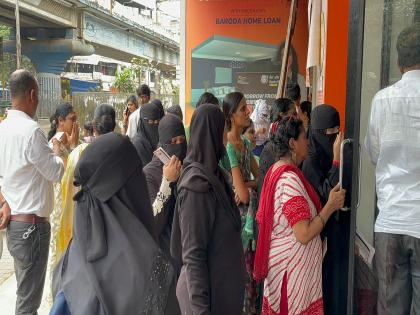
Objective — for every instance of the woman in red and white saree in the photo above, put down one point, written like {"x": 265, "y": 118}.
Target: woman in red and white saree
{"x": 290, "y": 217}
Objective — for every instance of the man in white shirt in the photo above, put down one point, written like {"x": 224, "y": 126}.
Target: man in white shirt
{"x": 28, "y": 168}
{"x": 143, "y": 94}
{"x": 393, "y": 144}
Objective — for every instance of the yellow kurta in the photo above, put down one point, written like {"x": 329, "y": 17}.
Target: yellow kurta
{"x": 68, "y": 190}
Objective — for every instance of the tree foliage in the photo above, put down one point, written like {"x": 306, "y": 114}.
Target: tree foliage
{"x": 124, "y": 81}
{"x": 8, "y": 62}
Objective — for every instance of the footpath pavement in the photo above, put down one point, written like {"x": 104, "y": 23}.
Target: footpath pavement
{"x": 8, "y": 284}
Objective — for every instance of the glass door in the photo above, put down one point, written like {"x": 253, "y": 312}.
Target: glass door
{"x": 372, "y": 66}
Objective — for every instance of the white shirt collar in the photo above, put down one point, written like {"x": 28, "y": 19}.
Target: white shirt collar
{"x": 18, "y": 113}
{"x": 411, "y": 74}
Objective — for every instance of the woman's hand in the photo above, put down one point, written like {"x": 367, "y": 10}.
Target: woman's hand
{"x": 172, "y": 169}
{"x": 337, "y": 146}
{"x": 73, "y": 138}
{"x": 4, "y": 215}
{"x": 126, "y": 115}
{"x": 336, "y": 198}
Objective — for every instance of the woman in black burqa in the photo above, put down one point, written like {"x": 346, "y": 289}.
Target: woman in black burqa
{"x": 113, "y": 264}
{"x": 146, "y": 139}
{"x": 206, "y": 234}
{"x": 162, "y": 189}
{"x": 321, "y": 168}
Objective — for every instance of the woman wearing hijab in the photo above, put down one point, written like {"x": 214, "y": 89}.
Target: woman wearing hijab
{"x": 113, "y": 264}
{"x": 290, "y": 218}
{"x": 261, "y": 119}
{"x": 159, "y": 104}
{"x": 206, "y": 235}
{"x": 161, "y": 179}
{"x": 176, "y": 110}
{"x": 146, "y": 139}
{"x": 321, "y": 168}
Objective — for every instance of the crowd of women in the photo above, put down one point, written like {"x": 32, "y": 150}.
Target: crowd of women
{"x": 235, "y": 222}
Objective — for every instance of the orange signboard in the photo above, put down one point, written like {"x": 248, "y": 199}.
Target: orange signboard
{"x": 231, "y": 43}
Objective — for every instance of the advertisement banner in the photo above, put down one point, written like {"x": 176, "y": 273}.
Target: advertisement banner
{"x": 236, "y": 45}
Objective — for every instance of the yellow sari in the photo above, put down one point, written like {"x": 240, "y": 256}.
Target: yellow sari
{"x": 68, "y": 190}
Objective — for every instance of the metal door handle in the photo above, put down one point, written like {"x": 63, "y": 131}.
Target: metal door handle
{"x": 359, "y": 190}
{"x": 343, "y": 144}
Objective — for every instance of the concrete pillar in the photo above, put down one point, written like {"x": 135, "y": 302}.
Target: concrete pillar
{"x": 49, "y": 53}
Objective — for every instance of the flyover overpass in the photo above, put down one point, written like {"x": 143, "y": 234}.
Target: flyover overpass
{"x": 110, "y": 32}
{"x": 52, "y": 31}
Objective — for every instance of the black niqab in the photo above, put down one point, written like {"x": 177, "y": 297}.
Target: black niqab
{"x": 206, "y": 137}
{"x": 321, "y": 144}
{"x": 318, "y": 168}
{"x": 113, "y": 264}
{"x": 146, "y": 139}
{"x": 204, "y": 152}
{"x": 169, "y": 127}
{"x": 159, "y": 104}
{"x": 176, "y": 110}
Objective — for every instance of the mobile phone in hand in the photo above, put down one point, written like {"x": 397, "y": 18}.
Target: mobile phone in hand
{"x": 59, "y": 136}
{"x": 162, "y": 155}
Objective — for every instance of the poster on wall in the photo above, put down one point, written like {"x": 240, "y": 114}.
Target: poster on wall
{"x": 236, "y": 45}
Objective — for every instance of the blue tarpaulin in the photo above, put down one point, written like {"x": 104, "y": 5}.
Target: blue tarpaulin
{"x": 82, "y": 86}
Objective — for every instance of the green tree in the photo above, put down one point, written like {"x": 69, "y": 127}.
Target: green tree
{"x": 124, "y": 81}
{"x": 141, "y": 65}
{"x": 8, "y": 61}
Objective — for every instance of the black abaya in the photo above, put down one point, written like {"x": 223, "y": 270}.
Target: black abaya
{"x": 169, "y": 127}
{"x": 206, "y": 231}
{"x": 319, "y": 169}
{"x": 113, "y": 264}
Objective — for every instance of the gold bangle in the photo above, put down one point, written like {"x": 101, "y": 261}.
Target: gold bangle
{"x": 322, "y": 220}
